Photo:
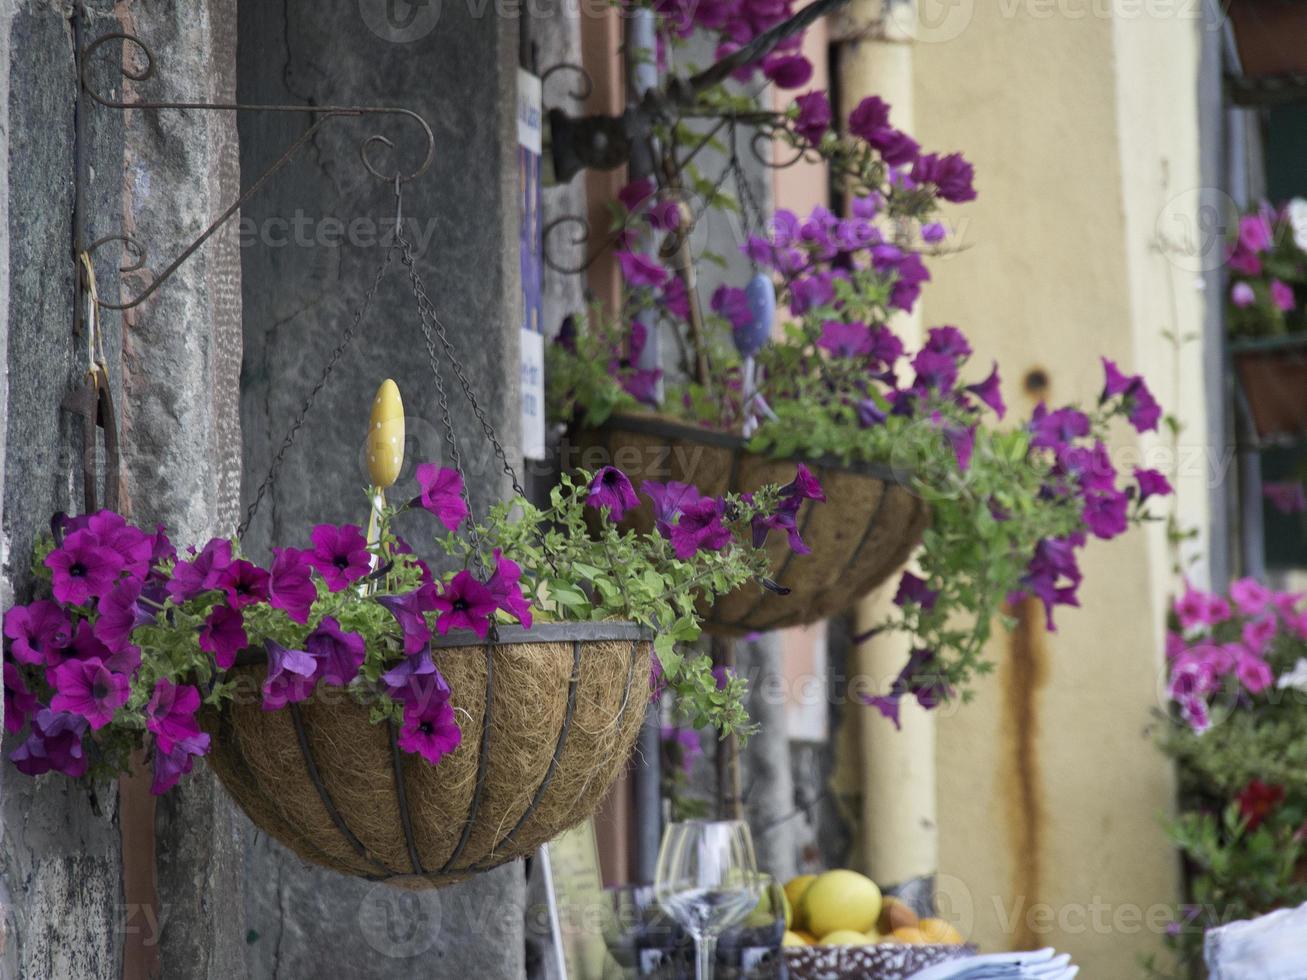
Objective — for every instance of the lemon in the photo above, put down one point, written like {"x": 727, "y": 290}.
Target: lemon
{"x": 841, "y": 900}
{"x": 908, "y": 936}
{"x": 845, "y": 937}
{"x": 792, "y": 939}
{"x": 794, "y": 889}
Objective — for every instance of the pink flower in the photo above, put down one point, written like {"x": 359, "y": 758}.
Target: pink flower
{"x": 1250, "y": 596}
{"x": 83, "y": 568}
{"x": 37, "y": 630}
{"x": 20, "y": 703}
{"x": 223, "y": 635}
{"x": 442, "y": 494}
{"x": 1152, "y": 483}
{"x": 90, "y": 689}
{"x": 1258, "y": 634}
{"x": 170, "y": 715}
{"x": 430, "y": 731}
{"x": 121, "y": 611}
{"x": 465, "y": 603}
{"x": 1253, "y": 672}
{"x": 1242, "y": 295}
{"x": 700, "y": 528}
{"x": 641, "y": 270}
{"x": 339, "y": 655}
{"x": 203, "y": 574}
{"x": 814, "y": 116}
{"x": 340, "y": 554}
{"x": 610, "y": 488}
{"x": 290, "y": 584}
{"x": 1198, "y": 608}
{"x": 1282, "y": 295}
{"x": 505, "y": 586}
{"x": 788, "y": 71}
{"x": 245, "y": 584}
{"x": 410, "y": 612}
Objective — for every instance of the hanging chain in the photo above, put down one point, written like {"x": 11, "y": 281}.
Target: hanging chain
{"x": 336, "y": 354}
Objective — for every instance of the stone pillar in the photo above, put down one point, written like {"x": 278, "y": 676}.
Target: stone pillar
{"x": 315, "y": 240}
{"x": 181, "y": 434}
{"x": 59, "y": 860}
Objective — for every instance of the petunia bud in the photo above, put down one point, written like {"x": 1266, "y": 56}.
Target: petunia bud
{"x": 386, "y": 436}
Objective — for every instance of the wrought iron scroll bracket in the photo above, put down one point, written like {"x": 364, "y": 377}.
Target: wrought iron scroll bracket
{"x": 323, "y": 114}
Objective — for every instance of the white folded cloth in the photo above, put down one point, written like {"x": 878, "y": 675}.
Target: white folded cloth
{"x": 1270, "y": 947}
{"x": 1043, "y": 964}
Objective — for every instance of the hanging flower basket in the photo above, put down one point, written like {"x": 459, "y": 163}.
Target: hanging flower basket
{"x": 1271, "y": 37}
{"x": 550, "y": 716}
{"x": 1272, "y": 375}
{"x": 862, "y": 534}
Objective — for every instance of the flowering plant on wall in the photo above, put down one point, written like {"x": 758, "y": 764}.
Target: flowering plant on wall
{"x": 1011, "y": 506}
{"x": 1268, "y": 271}
{"x": 135, "y": 640}
{"x": 1237, "y": 727}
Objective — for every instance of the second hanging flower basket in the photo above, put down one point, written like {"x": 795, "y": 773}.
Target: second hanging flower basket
{"x": 852, "y": 543}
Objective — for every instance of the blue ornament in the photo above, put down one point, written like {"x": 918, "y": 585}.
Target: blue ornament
{"x": 761, "y": 297}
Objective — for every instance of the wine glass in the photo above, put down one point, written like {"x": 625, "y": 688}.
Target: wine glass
{"x": 707, "y": 879}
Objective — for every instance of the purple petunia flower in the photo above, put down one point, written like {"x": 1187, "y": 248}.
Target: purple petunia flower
{"x": 340, "y": 554}
{"x": 1053, "y": 575}
{"x": 912, "y": 272}
{"x": 87, "y": 646}
{"x": 935, "y": 371}
{"x": 1140, "y": 406}
{"x": 732, "y": 303}
{"x": 442, "y": 494}
{"x": 1257, "y": 634}
{"x": 933, "y": 233}
{"x": 1151, "y": 484}
{"x": 921, "y": 678}
{"x": 845, "y": 339}
{"x": 990, "y": 392}
{"x": 700, "y": 528}
{"x": 1282, "y": 295}
{"x": 949, "y": 341}
{"x": 245, "y": 583}
{"x": 170, "y": 715}
{"x": 1106, "y": 513}
{"x": 430, "y": 731}
{"x": 896, "y": 147}
{"x": 171, "y": 765}
{"x": 788, "y": 70}
{"x": 38, "y": 630}
{"x": 913, "y": 590}
{"x": 20, "y": 703}
{"x": 674, "y": 299}
{"x": 410, "y": 612}
{"x": 641, "y": 270}
{"x": 683, "y": 745}
{"x": 505, "y": 586}
{"x": 814, "y": 116}
{"x": 133, "y": 546}
{"x": 339, "y": 655}
{"x": 290, "y": 584}
{"x": 804, "y": 486}
{"x": 416, "y": 681}
{"x": 868, "y": 116}
{"x": 610, "y": 488}
{"x": 90, "y": 689}
{"x": 952, "y": 176}
{"x": 55, "y": 744}
{"x": 636, "y": 192}
{"x": 465, "y": 603}
{"x": 1054, "y": 430}
{"x": 201, "y": 574}
{"x": 870, "y": 413}
{"x": 290, "y": 676}
{"x": 785, "y": 518}
{"x": 669, "y": 500}
{"x": 223, "y": 635}
{"x": 121, "y": 611}
{"x": 83, "y": 568}
{"x": 1286, "y": 496}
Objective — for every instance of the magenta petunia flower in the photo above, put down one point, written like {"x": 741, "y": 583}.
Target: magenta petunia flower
{"x": 172, "y": 764}
{"x": 1250, "y": 596}
{"x": 505, "y": 586}
{"x": 788, "y": 70}
{"x": 1053, "y": 575}
{"x": 133, "y": 546}
{"x": 1198, "y": 608}
{"x": 785, "y": 518}
{"x": 1152, "y": 483}
{"x": 1286, "y": 496}
{"x": 952, "y": 176}
{"x": 203, "y": 573}
{"x": 289, "y": 678}
{"x": 290, "y": 584}
{"x": 442, "y": 494}
{"x": 669, "y": 500}
{"x": 55, "y": 744}
{"x": 732, "y": 303}
{"x": 610, "y": 488}
{"x": 1106, "y": 513}
{"x": 814, "y": 116}
{"x": 869, "y": 116}
{"x": 636, "y": 192}
{"x": 990, "y": 392}
{"x": 38, "y": 630}
{"x": 1255, "y": 232}
{"x": 121, "y": 611}
{"x": 700, "y": 528}
{"x": 465, "y": 603}
{"x": 1054, "y": 430}
{"x": 339, "y": 655}
{"x": 90, "y": 689}
{"x": 641, "y": 270}
{"x": 1138, "y": 403}
{"x": 674, "y": 299}
{"x": 804, "y": 485}
{"x": 223, "y": 635}
{"x": 416, "y": 681}
{"x": 410, "y": 612}
{"x": 20, "y": 703}
{"x": 245, "y": 583}
{"x": 914, "y": 590}
{"x": 1282, "y": 295}
{"x": 170, "y": 714}
{"x": 1254, "y": 673}
{"x": 83, "y": 568}
{"x": 845, "y": 339}
{"x": 1257, "y": 634}
{"x": 340, "y": 554}
{"x": 431, "y": 731}
{"x": 87, "y": 646}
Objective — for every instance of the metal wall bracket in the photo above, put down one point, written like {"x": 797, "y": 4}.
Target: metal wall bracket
{"x": 323, "y": 114}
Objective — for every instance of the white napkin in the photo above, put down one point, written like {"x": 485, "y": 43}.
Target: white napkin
{"x": 1042, "y": 964}
{"x": 1271, "y": 947}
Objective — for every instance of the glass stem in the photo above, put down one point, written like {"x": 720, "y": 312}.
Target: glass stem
{"x": 705, "y": 952}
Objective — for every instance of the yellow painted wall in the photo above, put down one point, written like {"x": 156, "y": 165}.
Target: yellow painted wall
{"x": 1082, "y": 126}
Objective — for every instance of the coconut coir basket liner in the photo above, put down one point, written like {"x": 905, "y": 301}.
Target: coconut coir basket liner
{"x": 863, "y": 533}
{"x": 549, "y": 717}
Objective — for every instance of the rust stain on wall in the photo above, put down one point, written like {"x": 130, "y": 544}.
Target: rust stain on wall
{"x": 1024, "y": 674}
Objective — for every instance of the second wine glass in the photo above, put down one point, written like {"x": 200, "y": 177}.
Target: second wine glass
{"x": 707, "y": 880}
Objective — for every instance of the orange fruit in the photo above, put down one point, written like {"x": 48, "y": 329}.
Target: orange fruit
{"x": 940, "y": 933}
{"x": 908, "y": 936}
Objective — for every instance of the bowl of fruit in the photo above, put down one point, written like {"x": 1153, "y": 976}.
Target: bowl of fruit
{"x": 842, "y": 926}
